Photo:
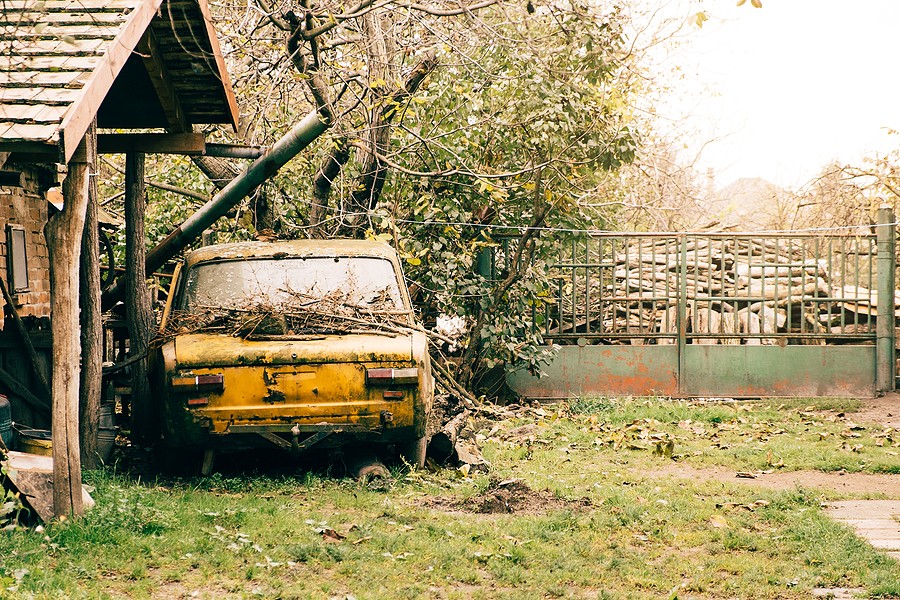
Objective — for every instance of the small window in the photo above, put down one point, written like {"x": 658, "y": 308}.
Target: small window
{"x": 16, "y": 259}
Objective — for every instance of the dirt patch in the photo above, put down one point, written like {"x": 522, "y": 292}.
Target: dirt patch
{"x": 841, "y": 483}
{"x": 884, "y": 410}
{"x": 512, "y": 496}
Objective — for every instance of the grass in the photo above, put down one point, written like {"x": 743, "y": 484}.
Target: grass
{"x": 795, "y": 434}
{"x": 613, "y": 533}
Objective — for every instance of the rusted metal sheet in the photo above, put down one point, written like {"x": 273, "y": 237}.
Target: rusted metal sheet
{"x": 719, "y": 314}
{"x": 603, "y": 370}
{"x": 790, "y": 371}
{"x": 709, "y": 371}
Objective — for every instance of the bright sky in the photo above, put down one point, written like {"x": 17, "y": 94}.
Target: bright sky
{"x": 791, "y": 86}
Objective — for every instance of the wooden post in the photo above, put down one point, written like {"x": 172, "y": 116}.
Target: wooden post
{"x": 63, "y": 233}
{"x": 137, "y": 298}
{"x": 91, "y": 327}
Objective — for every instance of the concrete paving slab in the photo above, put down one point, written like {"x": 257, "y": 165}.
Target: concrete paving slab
{"x": 876, "y": 521}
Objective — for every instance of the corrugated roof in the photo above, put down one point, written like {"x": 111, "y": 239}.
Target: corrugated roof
{"x": 134, "y": 64}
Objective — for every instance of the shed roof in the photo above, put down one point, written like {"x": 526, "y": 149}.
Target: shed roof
{"x": 134, "y": 64}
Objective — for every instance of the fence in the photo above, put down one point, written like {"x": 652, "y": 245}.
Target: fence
{"x": 719, "y": 314}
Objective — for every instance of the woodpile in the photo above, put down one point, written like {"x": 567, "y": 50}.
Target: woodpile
{"x": 737, "y": 291}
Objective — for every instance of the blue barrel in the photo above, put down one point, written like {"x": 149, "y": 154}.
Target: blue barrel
{"x": 5, "y": 421}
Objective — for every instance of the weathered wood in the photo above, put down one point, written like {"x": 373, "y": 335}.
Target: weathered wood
{"x": 43, "y": 384}
{"x": 32, "y": 476}
{"x": 20, "y": 389}
{"x": 63, "y": 233}
{"x": 442, "y": 446}
{"x": 137, "y": 298}
{"x": 83, "y": 110}
{"x": 152, "y": 57}
{"x": 91, "y": 326}
{"x": 150, "y": 143}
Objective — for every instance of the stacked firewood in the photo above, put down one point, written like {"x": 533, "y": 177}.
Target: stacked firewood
{"x": 733, "y": 286}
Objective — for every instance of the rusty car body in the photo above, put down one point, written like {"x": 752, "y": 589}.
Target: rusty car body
{"x": 292, "y": 343}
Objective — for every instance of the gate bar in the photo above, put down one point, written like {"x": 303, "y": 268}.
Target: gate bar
{"x": 884, "y": 326}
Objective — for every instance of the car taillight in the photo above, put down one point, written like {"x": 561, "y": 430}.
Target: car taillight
{"x": 198, "y": 383}
{"x": 408, "y": 376}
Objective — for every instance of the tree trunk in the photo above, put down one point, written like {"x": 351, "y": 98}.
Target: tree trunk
{"x": 91, "y": 327}
{"x": 137, "y": 299}
{"x": 63, "y": 233}
{"x": 377, "y": 137}
{"x": 218, "y": 170}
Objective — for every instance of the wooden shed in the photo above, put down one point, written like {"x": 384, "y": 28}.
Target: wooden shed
{"x": 142, "y": 73}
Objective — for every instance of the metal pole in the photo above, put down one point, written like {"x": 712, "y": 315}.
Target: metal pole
{"x": 681, "y": 318}
{"x": 884, "y": 328}
{"x": 286, "y": 148}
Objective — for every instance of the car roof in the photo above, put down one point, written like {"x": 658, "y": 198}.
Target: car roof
{"x": 293, "y": 248}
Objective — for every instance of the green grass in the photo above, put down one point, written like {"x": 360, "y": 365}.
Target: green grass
{"x": 623, "y": 535}
{"x": 796, "y": 434}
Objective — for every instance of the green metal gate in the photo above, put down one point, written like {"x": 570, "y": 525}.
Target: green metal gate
{"x": 720, "y": 315}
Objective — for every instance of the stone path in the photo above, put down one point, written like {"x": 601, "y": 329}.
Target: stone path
{"x": 876, "y": 521}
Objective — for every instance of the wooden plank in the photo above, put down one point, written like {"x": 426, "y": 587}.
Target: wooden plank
{"x": 49, "y": 96}
{"x": 56, "y": 62}
{"x": 23, "y": 132}
{"x": 57, "y": 20}
{"x": 162, "y": 82}
{"x": 231, "y": 101}
{"x": 69, "y": 5}
{"x": 57, "y": 47}
{"x": 39, "y": 79}
{"x": 72, "y": 38}
{"x": 151, "y": 143}
{"x": 32, "y": 113}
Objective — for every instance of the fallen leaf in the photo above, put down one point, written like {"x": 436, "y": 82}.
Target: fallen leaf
{"x": 718, "y": 521}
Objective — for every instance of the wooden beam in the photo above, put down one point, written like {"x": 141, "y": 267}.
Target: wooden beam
{"x": 151, "y": 143}
{"x": 149, "y": 50}
{"x": 220, "y": 63}
{"x": 29, "y": 152}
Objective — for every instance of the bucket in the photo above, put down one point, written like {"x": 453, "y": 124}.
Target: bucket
{"x": 5, "y": 421}
{"x": 106, "y": 430}
{"x": 35, "y": 441}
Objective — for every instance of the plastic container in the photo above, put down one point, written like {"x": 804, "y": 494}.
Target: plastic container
{"x": 35, "y": 441}
{"x": 5, "y": 421}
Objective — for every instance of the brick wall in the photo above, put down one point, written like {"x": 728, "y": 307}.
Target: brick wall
{"x": 27, "y": 207}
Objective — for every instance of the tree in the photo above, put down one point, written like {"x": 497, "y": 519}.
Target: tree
{"x": 443, "y": 117}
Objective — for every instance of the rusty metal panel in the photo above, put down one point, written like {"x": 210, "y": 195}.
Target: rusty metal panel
{"x": 603, "y": 370}
{"x": 791, "y": 371}
{"x": 709, "y": 371}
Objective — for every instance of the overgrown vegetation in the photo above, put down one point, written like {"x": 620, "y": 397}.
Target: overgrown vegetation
{"x": 563, "y": 513}
{"x": 453, "y": 127}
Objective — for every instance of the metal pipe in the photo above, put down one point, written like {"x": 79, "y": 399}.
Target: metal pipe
{"x": 884, "y": 325}
{"x": 264, "y": 167}
{"x": 234, "y": 151}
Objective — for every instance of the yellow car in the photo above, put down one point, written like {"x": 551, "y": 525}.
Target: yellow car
{"x": 295, "y": 344}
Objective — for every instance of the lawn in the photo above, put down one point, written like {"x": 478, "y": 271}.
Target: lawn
{"x": 577, "y": 504}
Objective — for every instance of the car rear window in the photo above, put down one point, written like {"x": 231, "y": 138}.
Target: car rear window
{"x": 238, "y": 284}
